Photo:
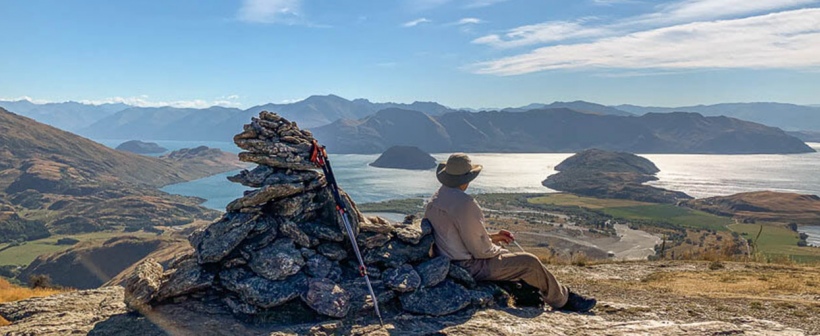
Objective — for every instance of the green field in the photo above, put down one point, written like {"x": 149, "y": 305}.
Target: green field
{"x": 26, "y": 253}
{"x": 776, "y": 240}
{"x": 633, "y": 210}
{"x": 586, "y": 202}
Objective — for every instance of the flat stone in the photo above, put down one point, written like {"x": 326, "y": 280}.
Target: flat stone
{"x": 433, "y": 271}
{"x": 360, "y": 299}
{"x": 278, "y": 260}
{"x": 333, "y": 251}
{"x": 262, "y": 292}
{"x": 239, "y": 307}
{"x": 461, "y": 276}
{"x": 293, "y": 231}
{"x": 220, "y": 238}
{"x": 413, "y": 232}
{"x": 370, "y": 240}
{"x": 266, "y": 194}
{"x": 319, "y": 266}
{"x": 402, "y": 279}
{"x": 142, "y": 286}
{"x": 188, "y": 277}
{"x": 395, "y": 253}
{"x": 327, "y": 298}
{"x": 446, "y": 298}
{"x": 376, "y": 225}
{"x": 323, "y": 231}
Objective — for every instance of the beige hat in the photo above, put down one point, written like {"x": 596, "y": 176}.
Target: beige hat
{"x": 457, "y": 171}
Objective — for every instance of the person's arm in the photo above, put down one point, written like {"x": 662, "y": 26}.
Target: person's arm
{"x": 474, "y": 235}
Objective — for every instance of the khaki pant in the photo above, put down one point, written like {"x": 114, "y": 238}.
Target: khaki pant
{"x": 519, "y": 266}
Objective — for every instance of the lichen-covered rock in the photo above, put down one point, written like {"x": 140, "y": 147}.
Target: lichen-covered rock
{"x": 402, "y": 279}
{"x": 360, "y": 299}
{"x": 413, "y": 232}
{"x": 143, "y": 285}
{"x": 222, "y": 237}
{"x": 188, "y": 277}
{"x": 294, "y": 232}
{"x": 395, "y": 253}
{"x": 333, "y": 251}
{"x": 372, "y": 240}
{"x": 260, "y": 291}
{"x": 323, "y": 231}
{"x": 446, "y": 298}
{"x": 327, "y": 298}
{"x": 461, "y": 276}
{"x": 278, "y": 260}
{"x": 319, "y": 266}
{"x": 433, "y": 271}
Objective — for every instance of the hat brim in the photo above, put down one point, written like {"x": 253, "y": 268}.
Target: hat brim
{"x": 454, "y": 181}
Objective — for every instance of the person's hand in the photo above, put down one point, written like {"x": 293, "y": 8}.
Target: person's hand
{"x": 502, "y": 237}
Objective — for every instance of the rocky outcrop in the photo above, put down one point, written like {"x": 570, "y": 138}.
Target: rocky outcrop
{"x": 140, "y": 147}
{"x": 763, "y": 206}
{"x": 605, "y": 174}
{"x": 281, "y": 246}
{"x": 405, "y": 157}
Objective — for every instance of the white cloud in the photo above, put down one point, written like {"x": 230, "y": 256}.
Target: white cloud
{"x": 26, "y": 98}
{"x": 271, "y": 11}
{"x": 671, "y": 13}
{"x": 469, "y": 20}
{"x": 789, "y": 39}
{"x": 415, "y": 22}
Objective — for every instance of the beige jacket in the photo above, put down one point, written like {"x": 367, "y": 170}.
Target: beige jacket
{"x": 458, "y": 226}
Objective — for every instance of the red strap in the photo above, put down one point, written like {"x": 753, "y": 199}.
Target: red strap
{"x": 315, "y": 155}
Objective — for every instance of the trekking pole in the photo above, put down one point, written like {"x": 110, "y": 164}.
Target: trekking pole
{"x": 319, "y": 158}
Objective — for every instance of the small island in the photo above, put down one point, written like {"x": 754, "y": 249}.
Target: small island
{"x": 405, "y": 157}
{"x": 605, "y": 174}
{"x": 140, "y": 147}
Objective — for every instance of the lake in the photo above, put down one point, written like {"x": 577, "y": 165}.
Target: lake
{"x": 694, "y": 174}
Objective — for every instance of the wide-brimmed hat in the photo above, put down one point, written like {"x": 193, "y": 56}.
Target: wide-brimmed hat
{"x": 457, "y": 170}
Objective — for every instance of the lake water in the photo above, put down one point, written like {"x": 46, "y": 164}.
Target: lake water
{"x": 814, "y": 234}
{"x": 696, "y": 175}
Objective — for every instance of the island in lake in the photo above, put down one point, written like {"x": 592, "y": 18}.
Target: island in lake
{"x": 140, "y": 147}
{"x": 405, "y": 157}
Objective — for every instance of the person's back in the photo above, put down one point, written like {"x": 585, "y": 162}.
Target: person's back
{"x": 460, "y": 234}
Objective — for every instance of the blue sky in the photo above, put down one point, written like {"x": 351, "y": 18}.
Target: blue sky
{"x": 462, "y": 53}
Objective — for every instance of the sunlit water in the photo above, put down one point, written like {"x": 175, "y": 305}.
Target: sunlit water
{"x": 696, "y": 175}
{"x": 813, "y": 232}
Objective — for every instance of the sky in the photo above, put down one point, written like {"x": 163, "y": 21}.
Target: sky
{"x": 461, "y": 53}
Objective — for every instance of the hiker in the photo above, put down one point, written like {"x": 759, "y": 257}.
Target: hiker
{"x": 458, "y": 228}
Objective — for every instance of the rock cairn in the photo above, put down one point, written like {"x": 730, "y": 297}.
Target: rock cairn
{"x": 281, "y": 248}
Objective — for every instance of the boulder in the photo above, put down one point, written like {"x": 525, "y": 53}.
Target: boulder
{"x": 433, "y": 271}
{"x": 143, "y": 285}
{"x": 187, "y": 277}
{"x": 277, "y": 261}
{"x": 327, "y": 298}
{"x": 446, "y": 298}
{"x": 402, "y": 279}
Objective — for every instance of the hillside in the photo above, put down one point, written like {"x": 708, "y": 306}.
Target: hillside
{"x": 604, "y": 174}
{"x": 555, "y": 130}
{"x": 763, "y": 206}
{"x": 71, "y": 184}
{"x": 89, "y": 265}
{"x": 140, "y": 147}
{"x": 786, "y": 116}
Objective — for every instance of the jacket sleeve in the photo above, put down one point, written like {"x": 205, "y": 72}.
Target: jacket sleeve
{"x": 473, "y": 234}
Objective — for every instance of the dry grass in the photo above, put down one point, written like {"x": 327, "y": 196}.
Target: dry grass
{"x": 759, "y": 282}
{"x": 9, "y": 292}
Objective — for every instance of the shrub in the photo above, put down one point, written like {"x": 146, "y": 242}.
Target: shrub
{"x": 40, "y": 281}
{"x": 67, "y": 241}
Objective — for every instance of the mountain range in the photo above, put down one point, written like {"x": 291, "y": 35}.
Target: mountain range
{"x": 124, "y": 122}
{"x": 555, "y": 130}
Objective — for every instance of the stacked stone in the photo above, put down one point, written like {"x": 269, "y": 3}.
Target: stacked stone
{"x": 283, "y": 241}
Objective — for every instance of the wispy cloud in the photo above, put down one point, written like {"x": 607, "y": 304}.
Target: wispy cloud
{"x": 788, "y": 39}
{"x": 271, "y": 11}
{"x": 422, "y": 5}
{"x": 415, "y": 22}
{"x": 467, "y": 21}
{"x": 664, "y": 15}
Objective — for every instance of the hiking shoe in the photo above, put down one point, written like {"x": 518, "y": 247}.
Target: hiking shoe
{"x": 579, "y": 303}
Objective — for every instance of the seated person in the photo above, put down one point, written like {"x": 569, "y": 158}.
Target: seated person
{"x": 458, "y": 227}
